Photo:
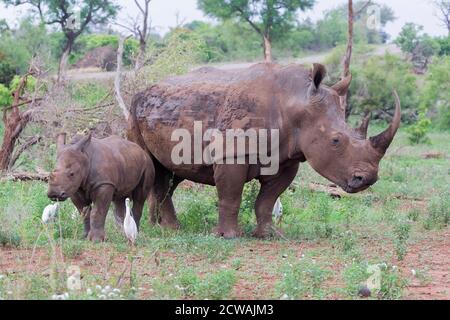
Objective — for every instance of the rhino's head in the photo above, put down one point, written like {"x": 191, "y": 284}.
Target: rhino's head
{"x": 341, "y": 154}
{"x": 72, "y": 166}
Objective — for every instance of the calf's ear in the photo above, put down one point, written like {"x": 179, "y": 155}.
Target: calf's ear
{"x": 319, "y": 72}
{"x": 60, "y": 141}
{"x": 83, "y": 142}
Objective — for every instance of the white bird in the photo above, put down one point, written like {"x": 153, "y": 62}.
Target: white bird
{"x": 129, "y": 225}
{"x": 277, "y": 211}
{"x": 50, "y": 212}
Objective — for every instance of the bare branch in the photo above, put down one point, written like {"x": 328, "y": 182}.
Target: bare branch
{"x": 120, "y": 101}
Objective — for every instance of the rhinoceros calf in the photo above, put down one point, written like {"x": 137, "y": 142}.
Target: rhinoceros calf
{"x": 290, "y": 100}
{"x": 101, "y": 171}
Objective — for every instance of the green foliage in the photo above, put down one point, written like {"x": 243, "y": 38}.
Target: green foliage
{"x": 436, "y": 92}
{"x": 216, "y": 286}
{"x": 302, "y": 279}
{"x": 180, "y": 49}
{"x": 5, "y": 96}
{"x": 392, "y": 283}
{"x": 438, "y": 212}
{"x": 418, "y": 131}
{"x": 374, "y": 80}
{"x": 444, "y": 44}
{"x": 421, "y": 47}
{"x": 269, "y": 18}
{"x": 401, "y": 236}
{"x": 354, "y": 276}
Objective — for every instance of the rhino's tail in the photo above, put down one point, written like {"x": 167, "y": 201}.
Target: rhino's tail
{"x": 134, "y": 132}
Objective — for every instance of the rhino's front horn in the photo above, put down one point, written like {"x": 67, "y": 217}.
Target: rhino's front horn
{"x": 362, "y": 129}
{"x": 382, "y": 141}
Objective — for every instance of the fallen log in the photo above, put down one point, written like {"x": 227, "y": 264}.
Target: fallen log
{"x": 25, "y": 176}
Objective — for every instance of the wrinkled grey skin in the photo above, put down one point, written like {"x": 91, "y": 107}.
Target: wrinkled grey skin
{"x": 292, "y": 99}
{"x": 92, "y": 171}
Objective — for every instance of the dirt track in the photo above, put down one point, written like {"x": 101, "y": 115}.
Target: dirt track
{"x": 88, "y": 75}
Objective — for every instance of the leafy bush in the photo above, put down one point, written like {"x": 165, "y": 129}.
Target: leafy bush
{"x": 216, "y": 286}
{"x": 438, "y": 212}
{"x": 436, "y": 92}
{"x": 401, "y": 236}
{"x": 302, "y": 279}
{"x": 373, "y": 82}
{"x": 417, "y": 133}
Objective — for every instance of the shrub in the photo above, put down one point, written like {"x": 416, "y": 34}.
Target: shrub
{"x": 436, "y": 92}
{"x": 216, "y": 286}
{"x": 373, "y": 82}
{"x": 438, "y": 212}
{"x": 401, "y": 234}
{"x": 417, "y": 133}
{"x": 302, "y": 279}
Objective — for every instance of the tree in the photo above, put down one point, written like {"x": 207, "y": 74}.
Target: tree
{"x": 348, "y": 53}
{"x": 62, "y": 13}
{"x": 140, "y": 28}
{"x": 269, "y": 18}
{"x": 418, "y": 46}
{"x": 444, "y": 12}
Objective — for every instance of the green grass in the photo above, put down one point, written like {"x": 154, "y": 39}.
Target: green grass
{"x": 330, "y": 241}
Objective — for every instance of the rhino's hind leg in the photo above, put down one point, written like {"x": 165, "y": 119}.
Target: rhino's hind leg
{"x": 271, "y": 188}
{"x": 162, "y": 210}
{"x": 230, "y": 180}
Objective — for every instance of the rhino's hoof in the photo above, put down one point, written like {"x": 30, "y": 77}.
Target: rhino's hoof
{"x": 228, "y": 233}
{"x": 98, "y": 236}
{"x": 170, "y": 225}
{"x": 267, "y": 231}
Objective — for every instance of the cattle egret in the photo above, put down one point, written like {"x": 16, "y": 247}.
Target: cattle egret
{"x": 129, "y": 225}
{"x": 277, "y": 211}
{"x": 50, "y": 212}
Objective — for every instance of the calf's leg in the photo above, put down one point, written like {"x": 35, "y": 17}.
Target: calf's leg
{"x": 102, "y": 198}
{"x": 84, "y": 207}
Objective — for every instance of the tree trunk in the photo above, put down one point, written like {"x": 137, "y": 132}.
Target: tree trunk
{"x": 14, "y": 126}
{"x": 63, "y": 62}
{"x": 267, "y": 49}
{"x": 348, "y": 55}
{"x": 141, "y": 56}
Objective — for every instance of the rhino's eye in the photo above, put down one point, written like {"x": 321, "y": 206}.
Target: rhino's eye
{"x": 71, "y": 174}
{"x": 335, "y": 141}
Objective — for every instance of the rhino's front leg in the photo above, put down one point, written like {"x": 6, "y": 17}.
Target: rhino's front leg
{"x": 102, "y": 197}
{"x": 230, "y": 180}
{"x": 271, "y": 188}
{"x": 84, "y": 207}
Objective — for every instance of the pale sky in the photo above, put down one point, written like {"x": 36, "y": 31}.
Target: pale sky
{"x": 163, "y": 13}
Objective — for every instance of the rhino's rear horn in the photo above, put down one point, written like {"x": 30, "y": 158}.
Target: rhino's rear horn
{"x": 343, "y": 85}
{"x": 382, "y": 141}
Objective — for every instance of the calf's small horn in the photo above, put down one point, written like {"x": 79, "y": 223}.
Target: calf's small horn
{"x": 60, "y": 141}
{"x": 362, "y": 129}
{"x": 382, "y": 141}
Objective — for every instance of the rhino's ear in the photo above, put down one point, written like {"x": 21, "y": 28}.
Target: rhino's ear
{"x": 60, "y": 141}
{"x": 319, "y": 72}
{"x": 83, "y": 143}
